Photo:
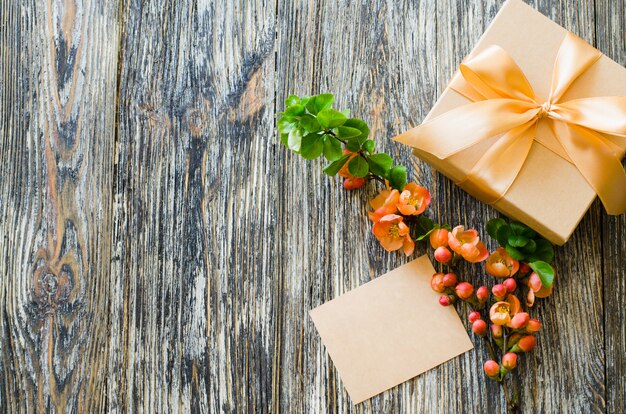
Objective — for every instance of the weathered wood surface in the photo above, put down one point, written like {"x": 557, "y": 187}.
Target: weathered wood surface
{"x": 59, "y": 70}
{"x": 161, "y": 250}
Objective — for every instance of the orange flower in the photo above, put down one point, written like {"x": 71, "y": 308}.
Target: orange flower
{"x": 500, "y": 264}
{"x": 502, "y": 312}
{"x": 413, "y": 200}
{"x": 393, "y": 234}
{"x": 384, "y": 204}
{"x": 467, "y": 244}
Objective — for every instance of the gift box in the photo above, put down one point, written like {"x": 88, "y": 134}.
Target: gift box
{"x": 534, "y": 123}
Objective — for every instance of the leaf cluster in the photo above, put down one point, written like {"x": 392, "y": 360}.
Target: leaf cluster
{"x": 311, "y": 127}
{"x": 524, "y": 244}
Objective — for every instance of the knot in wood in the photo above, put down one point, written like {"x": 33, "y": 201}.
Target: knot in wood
{"x": 52, "y": 289}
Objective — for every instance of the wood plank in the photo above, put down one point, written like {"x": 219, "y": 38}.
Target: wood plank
{"x": 59, "y": 62}
{"x": 357, "y": 52}
{"x": 195, "y": 210}
{"x": 610, "y": 38}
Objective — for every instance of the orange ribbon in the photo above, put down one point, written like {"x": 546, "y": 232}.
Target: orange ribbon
{"x": 504, "y": 103}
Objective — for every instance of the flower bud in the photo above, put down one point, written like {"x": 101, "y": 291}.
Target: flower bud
{"x": 523, "y": 268}
{"x": 496, "y": 331}
{"x": 525, "y": 344}
{"x": 464, "y": 290}
{"x": 482, "y": 293}
{"x": 479, "y": 327}
{"x": 352, "y": 183}
{"x": 499, "y": 291}
{"x": 445, "y": 300}
{"x": 534, "y": 282}
{"x": 533, "y": 326}
{"x": 519, "y": 320}
{"x": 439, "y": 238}
{"x": 443, "y": 255}
{"x": 492, "y": 369}
{"x": 510, "y": 284}
{"x": 473, "y": 317}
{"x": 530, "y": 298}
{"x": 449, "y": 280}
{"x": 436, "y": 283}
{"x": 509, "y": 361}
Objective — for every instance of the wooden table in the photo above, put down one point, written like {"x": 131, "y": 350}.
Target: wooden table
{"x": 161, "y": 249}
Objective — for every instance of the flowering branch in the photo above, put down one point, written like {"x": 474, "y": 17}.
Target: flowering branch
{"x": 310, "y": 127}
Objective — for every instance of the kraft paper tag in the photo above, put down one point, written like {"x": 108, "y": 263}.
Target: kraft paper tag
{"x": 389, "y": 330}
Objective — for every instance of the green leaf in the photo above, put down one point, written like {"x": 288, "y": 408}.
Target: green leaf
{"x": 332, "y": 148}
{"x": 544, "y": 251}
{"x": 503, "y": 233}
{"x": 346, "y": 112}
{"x": 286, "y": 124}
{"x": 368, "y": 145}
{"x": 397, "y": 177}
{"x": 331, "y": 118}
{"x": 333, "y": 168}
{"x": 517, "y": 241}
{"x": 324, "y": 101}
{"x": 291, "y": 100}
{"x": 353, "y": 145}
{"x": 380, "y": 164}
{"x": 284, "y": 139}
{"x": 312, "y": 146}
{"x": 493, "y": 225}
{"x": 514, "y": 253}
{"x": 310, "y": 105}
{"x": 518, "y": 228}
{"x": 295, "y": 110}
{"x": 528, "y": 232}
{"x": 309, "y": 123}
{"x": 294, "y": 140}
{"x": 425, "y": 226}
{"x": 361, "y": 126}
{"x": 347, "y": 132}
{"x": 530, "y": 247}
{"x": 545, "y": 272}
{"x": 318, "y": 103}
{"x": 358, "y": 167}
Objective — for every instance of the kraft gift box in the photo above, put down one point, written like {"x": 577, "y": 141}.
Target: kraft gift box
{"x": 550, "y": 195}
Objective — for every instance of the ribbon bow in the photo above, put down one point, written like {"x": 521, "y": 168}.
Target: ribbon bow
{"x": 504, "y": 103}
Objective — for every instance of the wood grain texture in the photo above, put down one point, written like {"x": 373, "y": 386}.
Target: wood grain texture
{"x": 195, "y": 209}
{"x": 611, "y": 15}
{"x": 161, "y": 249}
{"x": 58, "y": 111}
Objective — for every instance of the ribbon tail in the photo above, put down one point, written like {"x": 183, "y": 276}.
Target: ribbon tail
{"x": 465, "y": 126}
{"x": 490, "y": 178}
{"x": 597, "y": 162}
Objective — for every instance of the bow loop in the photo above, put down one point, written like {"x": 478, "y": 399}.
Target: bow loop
{"x": 575, "y": 56}
{"x": 494, "y": 74}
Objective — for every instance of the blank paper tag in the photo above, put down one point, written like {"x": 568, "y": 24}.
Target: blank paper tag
{"x": 389, "y": 330}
